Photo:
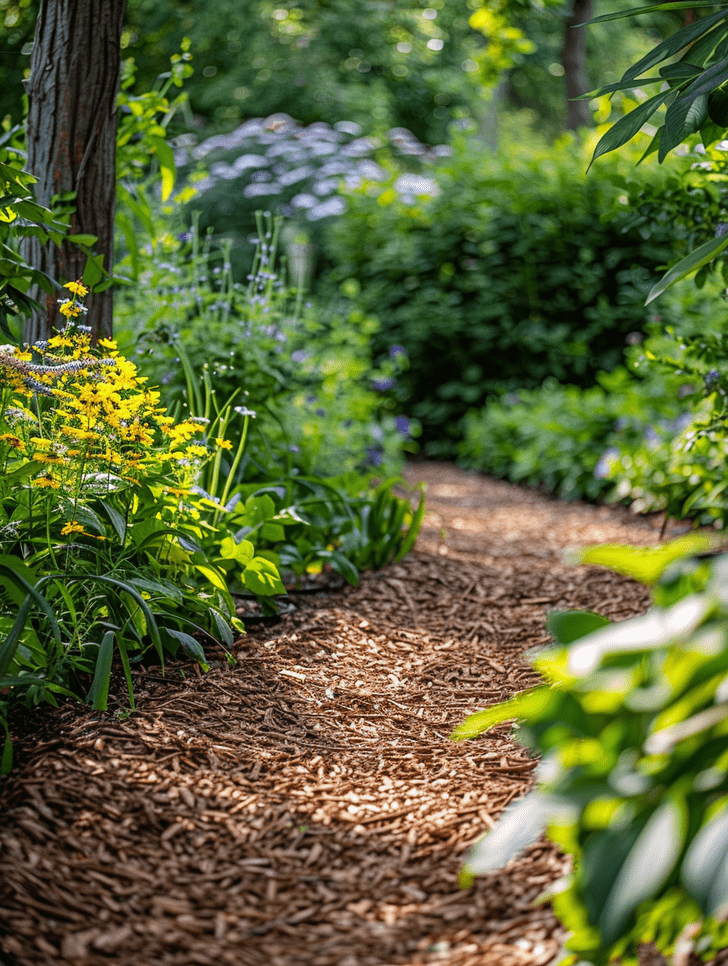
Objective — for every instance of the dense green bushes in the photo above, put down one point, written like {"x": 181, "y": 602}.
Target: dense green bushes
{"x": 566, "y": 439}
{"x": 519, "y": 268}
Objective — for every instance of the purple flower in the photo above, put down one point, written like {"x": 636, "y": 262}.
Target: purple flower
{"x": 381, "y": 385}
{"x": 397, "y": 350}
{"x": 374, "y": 456}
{"x": 403, "y": 425}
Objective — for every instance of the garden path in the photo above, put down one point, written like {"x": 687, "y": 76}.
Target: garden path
{"x": 305, "y": 807}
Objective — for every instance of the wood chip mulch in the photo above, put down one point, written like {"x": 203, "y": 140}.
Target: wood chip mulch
{"x": 306, "y": 807}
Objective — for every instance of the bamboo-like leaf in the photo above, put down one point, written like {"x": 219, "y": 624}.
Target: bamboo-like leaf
{"x": 652, "y": 8}
{"x": 629, "y": 125}
{"x": 684, "y": 116}
{"x": 686, "y": 266}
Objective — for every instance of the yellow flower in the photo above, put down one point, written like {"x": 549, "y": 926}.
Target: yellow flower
{"x": 77, "y": 287}
{"x": 46, "y": 481}
{"x": 72, "y": 527}
{"x": 224, "y": 443}
{"x": 12, "y": 441}
{"x": 70, "y": 309}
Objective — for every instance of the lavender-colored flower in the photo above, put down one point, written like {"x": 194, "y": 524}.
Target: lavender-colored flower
{"x": 374, "y": 456}
{"x": 397, "y": 350}
{"x": 403, "y": 425}
{"x": 711, "y": 378}
{"x": 382, "y": 385}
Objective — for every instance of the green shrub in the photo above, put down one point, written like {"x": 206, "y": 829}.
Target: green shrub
{"x": 632, "y": 724}
{"x": 566, "y": 439}
{"x": 519, "y": 268}
{"x": 321, "y": 408}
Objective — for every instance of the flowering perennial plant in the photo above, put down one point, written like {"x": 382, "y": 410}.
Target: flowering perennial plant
{"x": 100, "y": 527}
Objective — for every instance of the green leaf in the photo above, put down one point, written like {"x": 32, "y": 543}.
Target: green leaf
{"x": 87, "y": 240}
{"x": 117, "y": 520}
{"x": 718, "y": 107}
{"x": 686, "y": 266}
{"x": 569, "y": 625}
{"x": 98, "y": 695}
{"x": 684, "y": 116}
{"x": 705, "y": 866}
{"x": 646, "y": 564}
{"x": 94, "y": 271}
{"x": 629, "y": 125}
{"x": 475, "y": 724}
{"x": 344, "y": 567}
{"x": 519, "y": 826}
{"x": 646, "y": 869}
{"x": 165, "y": 156}
{"x": 190, "y": 645}
{"x": 6, "y": 761}
{"x": 262, "y": 577}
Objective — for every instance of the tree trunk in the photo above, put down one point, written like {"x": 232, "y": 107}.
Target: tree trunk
{"x": 74, "y": 80}
{"x": 573, "y": 60}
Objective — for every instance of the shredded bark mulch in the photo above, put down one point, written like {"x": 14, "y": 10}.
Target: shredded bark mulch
{"x": 306, "y": 806}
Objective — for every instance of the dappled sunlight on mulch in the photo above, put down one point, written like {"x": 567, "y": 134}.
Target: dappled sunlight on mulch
{"x": 306, "y": 806}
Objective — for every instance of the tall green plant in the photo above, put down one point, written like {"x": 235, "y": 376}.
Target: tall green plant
{"x": 631, "y": 725}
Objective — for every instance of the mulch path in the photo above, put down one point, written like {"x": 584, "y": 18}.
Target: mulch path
{"x": 306, "y": 807}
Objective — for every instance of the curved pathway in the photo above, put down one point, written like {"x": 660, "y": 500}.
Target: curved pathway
{"x": 305, "y": 807}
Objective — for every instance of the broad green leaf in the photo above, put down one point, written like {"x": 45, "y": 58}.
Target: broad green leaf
{"x": 241, "y": 552}
{"x": 646, "y": 869}
{"x": 705, "y": 867}
{"x": 94, "y": 271}
{"x": 629, "y": 125}
{"x": 646, "y": 564}
{"x": 117, "y": 520}
{"x": 655, "y": 629}
{"x": 98, "y": 695}
{"x": 603, "y": 856}
{"x": 87, "y": 240}
{"x": 686, "y": 266}
{"x": 344, "y": 567}
{"x": 519, "y": 826}
{"x": 262, "y": 577}
{"x": 569, "y": 625}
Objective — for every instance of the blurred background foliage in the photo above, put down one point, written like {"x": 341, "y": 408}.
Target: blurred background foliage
{"x": 435, "y": 208}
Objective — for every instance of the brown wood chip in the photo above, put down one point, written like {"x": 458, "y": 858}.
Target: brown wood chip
{"x": 306, "y": 807}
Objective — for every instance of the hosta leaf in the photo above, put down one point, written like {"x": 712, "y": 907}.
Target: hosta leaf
{"x": 646, "y": 869}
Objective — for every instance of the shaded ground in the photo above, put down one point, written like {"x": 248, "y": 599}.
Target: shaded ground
{"x": 306, "y": 808}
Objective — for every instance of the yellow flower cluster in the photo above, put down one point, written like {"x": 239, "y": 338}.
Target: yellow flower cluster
{"x": 100, "y": 420}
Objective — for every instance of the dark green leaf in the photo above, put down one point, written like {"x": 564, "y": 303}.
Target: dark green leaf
{"x": 629, "y": 125}
{"x": 98, "y": 695}
{"x": 569, "y": 625}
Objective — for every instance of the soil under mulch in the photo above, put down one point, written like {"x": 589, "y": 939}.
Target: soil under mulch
{"x": 306, "y": 805}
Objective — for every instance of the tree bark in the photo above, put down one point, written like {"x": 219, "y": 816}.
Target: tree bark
{"x": 74, "y": 79}
{"x": 573, "y": 60}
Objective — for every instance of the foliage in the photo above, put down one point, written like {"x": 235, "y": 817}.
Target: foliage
{"x": 632, "y": 726}
{"x": 21, "y": 217}
{"x": 515, "y": 269}
{"x": 390, "y": 66}
{"x": 565, "y": 438}
{"x": 680, "y": 466}
{"x": 101, "y": 529}
{"x": 321, "y": 407}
